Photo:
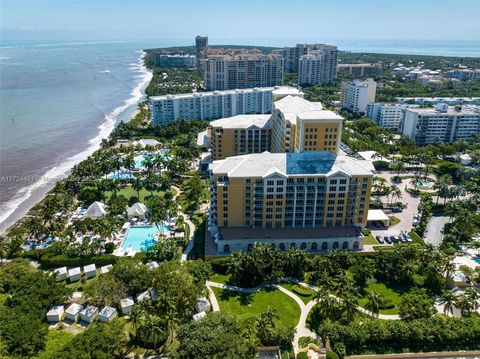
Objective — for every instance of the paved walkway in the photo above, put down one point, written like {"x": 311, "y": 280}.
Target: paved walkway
{"x": 189, "y": 246}
{"x": 434, "y": 231}
{"x": 301, "y": 329}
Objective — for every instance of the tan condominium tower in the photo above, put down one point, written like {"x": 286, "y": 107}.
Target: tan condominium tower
{"x": 312, "y": 200}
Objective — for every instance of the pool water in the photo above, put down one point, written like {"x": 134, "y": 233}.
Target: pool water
{"x": 477, "y": 260}
{"x": 139, "y": 161}
{"x": 140, "y": 238}
{"x": 121, "y": 175}
{"x": 423, "y": 184}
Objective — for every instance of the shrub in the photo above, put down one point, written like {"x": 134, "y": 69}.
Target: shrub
{"x": 220, "y": 265}
{"x": 301, "y": 290}
{"x": 304, "y": 341}
{"x": 109, "y": 248}
{"x": 332, "y": 355}
{"x": 381, "y": 165}
{"x": 302, "y": 355}
{"x": 62, "y": 260}
{"x": 387, "y": 305}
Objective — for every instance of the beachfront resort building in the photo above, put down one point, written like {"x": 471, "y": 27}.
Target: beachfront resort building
{"x": 217, "y": 104}
{"x": 292, "y": 56}
{"x": 313, "y": 200}
{"x": 294, "y": 125}
{"x": 356, "y": 95}
{"x": 360, "y": 70}
{"x": 242, "y": 70}
{"x": 443, "y": 123}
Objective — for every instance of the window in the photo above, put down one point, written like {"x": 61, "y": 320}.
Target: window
{"x": 324, "y": 246}
{"x": 226, "y": 248}
{"x": 335, "y": 245}
{"x": 249, "y": 247}
{"x": 281, "y": 246}
{"x": 303, "y": 246}
{"x": 345, "y": 245}
{"x": 356, "y": 245}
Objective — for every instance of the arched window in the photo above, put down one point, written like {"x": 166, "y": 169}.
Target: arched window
{"x": 226, "y": 248}
{"x": 303, "y": 245}
{"x": 335, "y": 245}
{"x": 345, "y": 245}
{"x": 249, "y": 247}
{"x": 293, "y": 245}
{"x": 282, "y": 246}
{"x": 273, "y": 245}
{"x": 356, "y": 245}
{"x": 324, "y": 246}
{"x": 314, "y": 246}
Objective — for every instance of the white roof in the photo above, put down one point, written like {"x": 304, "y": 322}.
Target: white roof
{"x": 371, "y": 156}
{"x": 143, "y": 295}
{"x": 243, "y": 122}
{"x": 74, "y": 271}
{"x": 107, "y": 311}
{"x": 89, "y": 310}
{"x": 74, "y": 309}
{"x": 96, "y": 209}
{"x": 377, "y": 215}
{"x": 465, "y": 156}
{"x": 287, "y": 90}
{"x": 126, "y": 302}
{"x": 138, "y": 209}
{"x": 89, "y": 268}
{"x": 202, "y": 138}
{"x": 153, "y": 264}
{"x": 61, "y": 270}
{"x": 199, "y": 316}
{"x": 312, "y": 163}
{"x": 105, "y": 269}
{"x": 56, "y": 310}
{"x": 296, "y": 104}
{"x": 147, "y": 142}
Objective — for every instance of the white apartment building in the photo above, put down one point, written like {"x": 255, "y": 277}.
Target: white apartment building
{"x": 356, "y": 95}
{"x": 217, "y": 104}
{"x": 387, "y": 115}
{"x": 242, "y": 70}
{"x": 318, "y": 66}
{"x": 292, "y": 55}
{"x": 443, "y": 123}
{"x": 463, "y": 74}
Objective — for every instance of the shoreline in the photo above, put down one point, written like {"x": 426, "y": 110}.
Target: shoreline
{"x": 27, "y": 197}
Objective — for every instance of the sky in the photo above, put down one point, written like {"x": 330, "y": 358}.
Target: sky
{"x": 239, "y": 19}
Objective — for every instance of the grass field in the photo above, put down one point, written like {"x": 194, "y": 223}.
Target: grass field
{"x": 370, "y": 240}
{"x": 220, "y": 278}
{"x": 305, "y": 298}
{"x": 391, "y": 294}
{"x": 247, "y": 307}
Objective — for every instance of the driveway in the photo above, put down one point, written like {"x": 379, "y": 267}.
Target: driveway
{"x": 434, "y": 231}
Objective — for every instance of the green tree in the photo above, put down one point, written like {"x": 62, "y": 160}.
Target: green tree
{"x": 416, "y": 304}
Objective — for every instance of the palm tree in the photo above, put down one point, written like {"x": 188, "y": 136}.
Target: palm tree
{"x": 375, "y": 300}
{"x": 350, "y": 303}
{"x": 327, "y": 304}
{"x": 129, "y": 162}
{"x": 137, "y": 185}
{"x": 464, "y": 303}
{"x": 474, "y": 296}
{"x": 136, "y": 317}
{"x": 448, "y": 301}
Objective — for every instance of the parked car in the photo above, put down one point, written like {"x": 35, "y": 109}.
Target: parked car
{"x": 415, "y": 222}
{"x": 397, "y": 209}
{"x": 393, "y": 239}
{"x": 387, "y": 239}
{"x": 379, "y": 239}
{"x": 416, "y": 216}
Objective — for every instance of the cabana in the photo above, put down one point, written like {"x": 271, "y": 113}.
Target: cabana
{"x": 126, "y": 305}
{"x": 144, "y": 142}
{"x": 90, "y": 270}
{"x": 73, "y": 312}
{"x": 96, "y": 210}
{"x": 199, "y": 316}
{"x": 143, "y": 296}
{"x": 202, "y": 305}
{"x": 61, "y": 273}
{"x": 55, "y": 314}
{"x": 89, "y": 314}
{"x": 74, "y": 274}
{"x": 105, "y": 269}
{"x": 152, "y": 264}
{"x": 138, "y": 210}
{"x": 107, "y": 314}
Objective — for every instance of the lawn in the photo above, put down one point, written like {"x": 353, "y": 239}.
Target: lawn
{"x": 221, "y": 278}
{"x": 247, "y": 307}
{"x": 394, "y": 220}
{"x": 56, "y": 340}
{"x": 370, "y": 239}
{"x": 390, "y": 293}
{"x": 129, "y": 192}
{"x": 310, "y": 294}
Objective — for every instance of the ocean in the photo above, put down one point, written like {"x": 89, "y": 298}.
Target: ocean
{"x": 59, "y": 99}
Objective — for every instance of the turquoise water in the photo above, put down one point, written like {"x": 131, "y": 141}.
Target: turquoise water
{"x": 423, "y": 184}
{"x": 477, "y": 260}
{"x": 141, "y": 237}
{"x": 121, "y": 175}
{"x": 139, "y": 161}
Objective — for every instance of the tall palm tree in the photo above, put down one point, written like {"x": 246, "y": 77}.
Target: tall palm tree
{"x": 327, "y": 304}
{"x": 464, "y": 303}
{"x": 448, "y": 301}
{"x": 137, "y": 185}
{"x": 350, "y": 303}
{"x": 375, "y": 300}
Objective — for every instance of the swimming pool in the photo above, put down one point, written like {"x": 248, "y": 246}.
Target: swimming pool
{"x": 423, "y": 184}
{"x": 139, "y": 161}
{"x": 121, "y": 175}
{"x": 477, "y": 260}
{"x": 139, "y": 238}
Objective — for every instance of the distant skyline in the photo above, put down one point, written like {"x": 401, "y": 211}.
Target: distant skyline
{"x": 288, "y": 21}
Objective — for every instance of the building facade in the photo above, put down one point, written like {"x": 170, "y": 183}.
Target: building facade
{"x": 318, "y": 66}
{"x": 240, "y": 135}
{"x": 217, "y": 104}
{"x": 301, "y": 125}
{"x": 360, "y": 70}
{"x": 244, "y": 70}
{"x": 388, "y": 115}
{"x": 177, "y": 60}
{"x": 312, "y": 200}
{"x": 463, "y": 74}
{"x": 201, "y": 45}
{"x": 445, "y": 124}
{"x": 356, "y": 95}
{"x": 292, "y": 55}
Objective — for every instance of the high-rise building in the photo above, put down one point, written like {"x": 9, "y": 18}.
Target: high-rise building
{"x": 318, "y": 66}
{"x": 201, "y": 45}
{"x": 292, "y": 55}
{"x": 177, "y": 60}
{"x": 443, "y": 123}
{"x": 301, "y": 125}
{"x": 360, "y": 70}
{"x": 311, "y": 200}
{"x": 240, "y": 135}
{"x": 387, "y": 115}
{"x": 217, "y": 104}
{"x": 243, "y": 70}
{"x": 463, "y": 74}
{"x": 356, "y": 95}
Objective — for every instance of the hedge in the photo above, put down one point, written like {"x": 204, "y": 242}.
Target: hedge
{"x": 220, "y": 265}
{"x": 62, "y": 260}
{"x": 301, "y": 290}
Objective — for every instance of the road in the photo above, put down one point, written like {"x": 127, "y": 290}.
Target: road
{"x": 434, "y": 231}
